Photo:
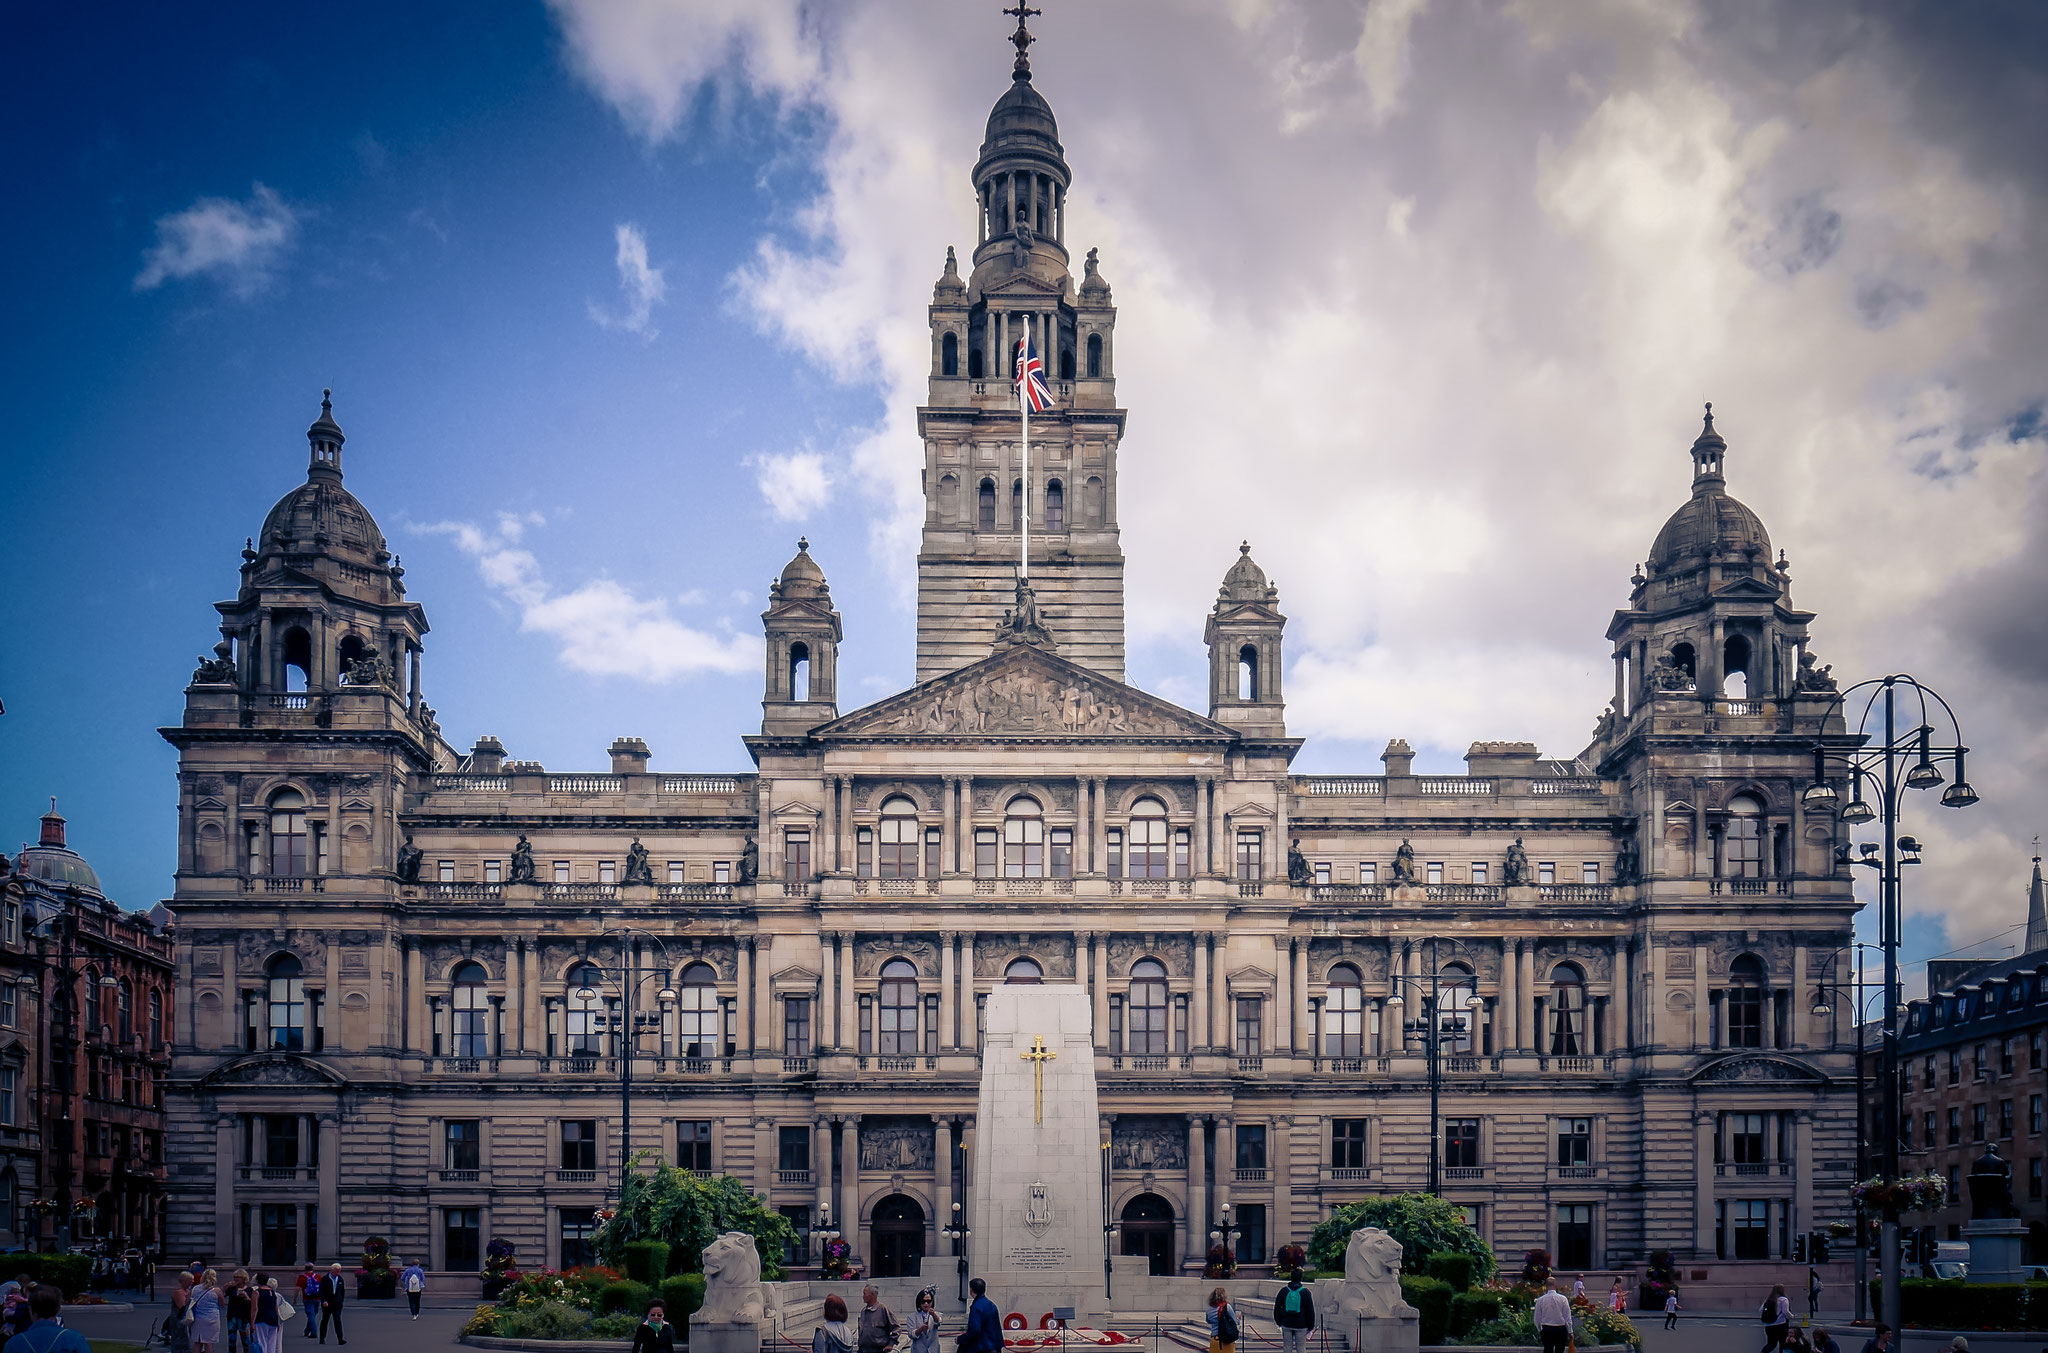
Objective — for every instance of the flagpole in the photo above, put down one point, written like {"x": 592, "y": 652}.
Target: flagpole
{"x": 1024, "y": 407}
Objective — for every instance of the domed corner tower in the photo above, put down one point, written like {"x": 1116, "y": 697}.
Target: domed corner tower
{"x": 803, "y": 633}
{"x": 1717, "y": 703}
{"x": 1019, "y": 285}
{"x": 1243, "y": 634}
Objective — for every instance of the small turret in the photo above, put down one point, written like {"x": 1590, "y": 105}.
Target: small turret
{"x": 803, "y": 633}
{"x": 1243, "y": 635}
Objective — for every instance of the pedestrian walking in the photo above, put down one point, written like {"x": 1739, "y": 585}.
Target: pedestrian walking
{"x": 1579, "y": 1288}
{"x": 1553, "y": 1316}
{"x": 1223, "y": 1327}
{"x": 655, "y": 1334}
{"x": 176, "y": 1330}
{"x": 414, "y": 1281}
{"x": 333, "y": 1296}
{"x": 266, "y": 1321}
{"x": 983, "y": 1332}
{"x": 45, "y": 1334}
{"x": 206, "y": 1313}
{"x": 924, "y": 1322}
{"x": 1776, "y": 1313}
{"x": 1671, "y": 1309}
{"x": 238, "y": 1302}
{"x": 1617, "y": 1300}
{"x": 309, "y": 1299}
{"x": 1812, "y": 1292}
{"x": 878, "y": 1327}
{"x": 833, "y": 1334}
{"x": 1294, "y": 1311}
{"x": 1880, "y": 1340}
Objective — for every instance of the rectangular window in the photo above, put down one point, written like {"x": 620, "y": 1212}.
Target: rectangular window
{"x": 2034, "y": 1050}
{"x": 8, "y": 1013}
{"x": 796, "y": 1027}
{"x": 1251, "y": 1233}
{"x": 1116, "y": 1024}
{"x": 494, "y": 871}
{"x": 1182, "y": 852}
{"x": 561, "y": 871}
{"x": 1955, "y": 1127}
{"x": 1955, "y": 1066}
{"x": 1113, "y": 852}
{"x": 1322, "y": 874}
{"x": 676, "y": 871}
{"x": 1479, "y": 871}
{"x": 1978, "y": 1061}
{"x": 1368, "y": 871}
{"x": 579, "y": 1144}
{"x": 1927, "y": 1130}
{"x": 445, "y": 871}
{"x": 797, "y": 1249}
{"x": 2005, "y": 1118}
{"x": 578, "y": 1227}
{"x": 934, "y": 862}
{"x": 793, "y": 1148}
{"x": 607, "y": 871}
{"x": 988, "y": 861}
{"x": 864, "y": 853}
{"x": 281, "y": 1140}
{"x": 1251, "y": 1147}
{"x": 462, "y": 1144}
{"x": 1461, "y": 1143}
{"x": 1434, "y": 872}
{"x": 1930, "y": 1071}
{"x": 1250, "y": 856}
{"x": 1061, "y": 840}
{"x": 1347, "y": 1143}
{"x": 1575, "y": 1235}
{"x": 1180, "y": 1024}
{"x": 10, "y": 1089}
{"x": 1574, "y": 1141}
{"x": 13, "y": 923}
{"x": 1977, "y": 1120}
{"x": 1249, "y": 1026}
{"x": 462, "y": 1230}
{"x": 1743, "y": 1138}
{"x": 867, "y": 1026}
{"x": 2034, "y": 1114}
{"x": 2034, "y": 1179}
{"x": 931, "y": 1026}
{"x": 721, "y": 872}
{"x": 693, "y": 1145}
{"x": 2007, "y": 1047}
{"x": 1752, "y": 1218}
{"x": 280, "y": 1234}
{"x": 796, "y": 855}
{"x": 1589, "y": 872}
{"x": 1546, "y": 872}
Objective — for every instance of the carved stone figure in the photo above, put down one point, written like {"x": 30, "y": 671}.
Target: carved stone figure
{"x": 1373, "y": 1258}
{"x": 1667, "y": 675}
{"x": 1020, "y": 248}
{"x": 750, "y": 861}
{"x": 219, "y": 670}
{"x": 1023, "y": 624}
{"x": 638, "y": 870}
{"x": 1603, "y": 727}
{"x": 895, "y": 1146}
{"x": 522, "y": 862}
{"x": 369, "y": 670}
{"x": 1404, "y": 863}
{"x": 1991, "y": 1187}
{"x": 1514, "y": 871}
{"x": 1092, "y": 266}
{"x": 1812, "y": 678}
{"x": 1149, "y": 1143}
{"x": 1628, "y": 860}
{"x": 1297, "y": 864}
{"x": 732, "y": 1282}
{"x": 409, "y": 856}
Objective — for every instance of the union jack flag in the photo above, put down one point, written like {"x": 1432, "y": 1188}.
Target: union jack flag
{"x": 1031, "y": 386}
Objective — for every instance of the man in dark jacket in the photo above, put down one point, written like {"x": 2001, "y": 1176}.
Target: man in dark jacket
{"x": 984, "y": 1332}
{"x": 1294, "y": 1311}
{"x": 333, "y": 1294}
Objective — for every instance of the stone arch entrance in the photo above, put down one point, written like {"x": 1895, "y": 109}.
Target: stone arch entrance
{"x": 898, "y": 1226}
{"x": 1148, "y": 1230}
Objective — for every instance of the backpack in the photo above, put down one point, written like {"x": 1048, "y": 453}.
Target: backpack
{"x": 1291, "y": 1299}
{"x": 413, "y": 1284}
{"x": 1768, "y": 1312}
{"x": 1226, "y": 1325}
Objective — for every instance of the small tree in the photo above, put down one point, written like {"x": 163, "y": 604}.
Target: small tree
{"x": 1424, "y": 1225}
{"x": 688, "y": 1211}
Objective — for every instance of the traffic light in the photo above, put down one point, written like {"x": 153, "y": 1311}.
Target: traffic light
{"x": 1819, "y": 1248}
{"x": 1799, "y": 1249}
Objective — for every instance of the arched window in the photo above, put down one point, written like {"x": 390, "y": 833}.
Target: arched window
{"x": 1567, "y": 1011}
{"x": 125, "y": 1021}
{"x": 472, "y": 1004}
{"x": 799, "y": 671}
{"x": 1055, "y": 507}
{"x": 288, "y": 839}
{"x": 156, "y": 1019}
{"x": 697, "y": 1012}
{"x": 1344, "y": 1014}
{"x": 949, "y": 355}
{"x": 899, "y": 839}
{"x": 1148, "y": 1031}
{"x": 298, "y": 659}
{"x": 287, "y": 1004}
{"x": 1682, "y": 658}
{"x": 1016, "y": 504}
{"x": 1735, "y": 667}
{"x": 974, "y": 362}
{"x": 1742, "y": 851}
{"x": 1746, "y": 1002}
{"x": 92, "y": 1001}
{"x": 585, "y": 1008}
{"x": 351, "y": 651}
{"x": 1095, "y": 355}
{"x": 1148, "y": 858}
{"x": 1248, "y": 673}
{"x": 898, "y": 999}
{"x": 1023, "y": 839}
{"x": 985, "y": 518}
{"x": 1023, "y": 972}
{"x": 1457, "y": 1007}
{"x": 1066, "y": 364}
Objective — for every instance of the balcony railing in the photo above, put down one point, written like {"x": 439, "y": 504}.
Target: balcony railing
{"x": 694, "y": 892}
{"x": 290, "y": 883}
{"x": 1464, "y": 1172}
{"x": 1249, "y": 1064}
{"x": 1317, "y": 786}
{"x": 1454, "y": 785}
{"x": 1251, "y": 1175}
{"x": 698, "y": 784}
{"x": 1745, "y": 1170}
{"x": 575, "y": 1176}
{"x": 1750, "y": 887}
{"x": 1575, "y": 892}
{"x": 289, "y": 701}
{"x": 896, "y": 1063}
{"x": 473, "y": 784}
{"x": 1577, "y": 1171}
{"x": 586, "y": 784}
{"x": 1577, "y": 784}
{"x": 798, "y": 1066}
{"x": 1350, "y": 1174}
{"x": 461, "y": 1176}
{"x": 1348, "y": 892}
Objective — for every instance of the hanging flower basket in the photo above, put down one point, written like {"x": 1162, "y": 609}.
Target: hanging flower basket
{"x": 1908, "y": 1193}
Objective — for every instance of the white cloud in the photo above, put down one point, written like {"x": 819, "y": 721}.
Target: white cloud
{"x": 601, "y": 627}
{"x": 235, "y": 243}
{"x": 794, "y": 484}
{"x": 649, "y": 58}
{"x": 641, "y": 288}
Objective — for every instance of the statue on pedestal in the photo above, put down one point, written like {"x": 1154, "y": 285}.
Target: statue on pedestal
{"x": 638, "y": 870}
{"x": 1514, "y": 871}
{"x": 522, "y": 862}
{"x": 1404, "y": 864}
{"x": 1297, "y": 864}
{"x": 409, "y": 859}
{"x": 1991, "y": 1187}
{"x": 1628, "y": 860}
{"x": 750, "y": 862}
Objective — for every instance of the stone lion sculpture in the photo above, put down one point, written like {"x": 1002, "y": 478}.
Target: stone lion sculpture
{"x": 1372, "y": 1270}
{"x": 732, "y": 1282}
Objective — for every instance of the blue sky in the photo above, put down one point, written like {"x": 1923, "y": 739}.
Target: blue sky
{"x": 1418, "y": 295}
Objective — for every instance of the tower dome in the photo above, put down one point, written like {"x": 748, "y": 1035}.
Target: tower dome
{"x": 802, "y": 579}
{"x": 1710, "y": 523}
{"x": 1245, "y": 580}
{"x": 320, "y": 516}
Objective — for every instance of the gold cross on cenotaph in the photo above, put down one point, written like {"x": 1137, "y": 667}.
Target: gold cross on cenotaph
{"x": 1038, "y": 1055}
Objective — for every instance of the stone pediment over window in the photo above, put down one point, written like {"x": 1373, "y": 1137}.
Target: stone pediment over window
{"x": 1752, "y": 1070}
{"x": 794, "y": 982}
{"x": 1251, "y": 811}
{"x": 272, "y": 1068}
{"x": 1024, "y": 286}
{"x": 1746, "y": 587}
{"x": 1678, "y": 808}
{"x": 789, "y": 812}
{"x": 1024, "y": 692}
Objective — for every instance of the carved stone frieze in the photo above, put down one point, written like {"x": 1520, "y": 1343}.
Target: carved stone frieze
{"x": 1149, "y": 1142}
{"x": 870, "y": 954}
{"x": 1053, "y": 953}
{"x": 1026, "y": 693}
{"x": 896, "y": 1144}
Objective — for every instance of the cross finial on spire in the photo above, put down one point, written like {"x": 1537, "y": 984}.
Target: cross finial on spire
{"x": 1022, "y": 37}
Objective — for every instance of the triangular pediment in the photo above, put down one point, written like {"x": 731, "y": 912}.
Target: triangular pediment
{"x": 1024, "y": 284}
{"x": 1023, "y": 692}
{"x": 1743, "y": 588}
{"x": 272, "y": 1068}
{"x": 789, "y": 811}
{"x": 1249, "y": 809}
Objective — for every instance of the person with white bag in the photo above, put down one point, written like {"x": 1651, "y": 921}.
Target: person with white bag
{"x": 266, "y": 1328}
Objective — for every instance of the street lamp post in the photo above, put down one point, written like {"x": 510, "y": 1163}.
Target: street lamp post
{"x": 1883, "y": 767}
{"x": 1226, "y": 1234}
{"x": 1821, "y": 1008}
{"x": 826, "y": 1234}
{"x": 1433, "y": 1028}
{"x": 629, "y": 983}
{"x": 954, "y": 1231}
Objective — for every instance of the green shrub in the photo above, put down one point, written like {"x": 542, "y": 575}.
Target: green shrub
{"x": 624, "y": 1295}
{"x": 66, "y": 1272}
{"x": 543, "y": 1320}
{"x": 1424, "y": 1225}
{"x": 1511, "y": 1329}
{"x": 688, "y": 1212}
{"x": 1603, "y": 1326}
{"x": 1952, "y": 1303}
{"x": 617, "y": 1325}
{"x": 1431, "y": 1298}
{"x": 647, "y": 1261}
{"x": 485, "y": 1321}
{"x": 680, "y": 1298}
{"x": 1469, "y": 1309}
{"x": 1452, "y": 1267}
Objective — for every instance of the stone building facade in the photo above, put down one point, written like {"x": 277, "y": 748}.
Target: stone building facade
{"x": 409, "y": 970}
{"x": 86, "y": 1015}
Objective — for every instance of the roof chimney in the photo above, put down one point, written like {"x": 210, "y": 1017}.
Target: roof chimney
{"x": 53, "y": 828}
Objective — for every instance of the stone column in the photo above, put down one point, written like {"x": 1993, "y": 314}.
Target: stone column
{"x": 949, "y": 985}
{"x": 224, "y": 1173}
{"x": 515, "y": 997}
{"x": 1703, "y": 1184}
{"x": 967, "y": 1180}
{"x": 1199, "y": 864}
{"x": 1226, "y": 1161}
{"x": 421, "y": 1038}
{"x": 967, "y": 1016}
{"x": 1198, "y": 1013}
{"x": 849, "y": 1024}
{"x": 1100, "y": 831}
{"x": 849, "y": 1186}
{"x": 1084, "y": 813}
{"x": 1101, "y": 962}
{"x": 1624, "y": 995}
{"x": 767, "y": 1028}
{"x": 536, "y": 1004}
{"x": 1283, "y": 996}
{"x": 821, "y": 1164}
{"x": 1304, "y": 1028}
{"x": 1798, "y": 1036}
{"x": 942, "y": 1174}
{"x": 1701, "y": 1015}
{"x": 1276, "y": 858}
{"x": 743, "y": 993}
{"x": 1510, "y": 1000}
{"x": 330, "y": 1184}
{"x": 1802, "y": 1171}
{"x": 1197, "y": 1210}
{"x": 1525, "y": 1015}
{"x": 1219, "y": 992}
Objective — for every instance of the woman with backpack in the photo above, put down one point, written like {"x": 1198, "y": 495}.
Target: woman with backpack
{"x": 1223, "y": 1327}
{"x": 414, "y": 1281}
{"x": 1776, "y": 1313}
